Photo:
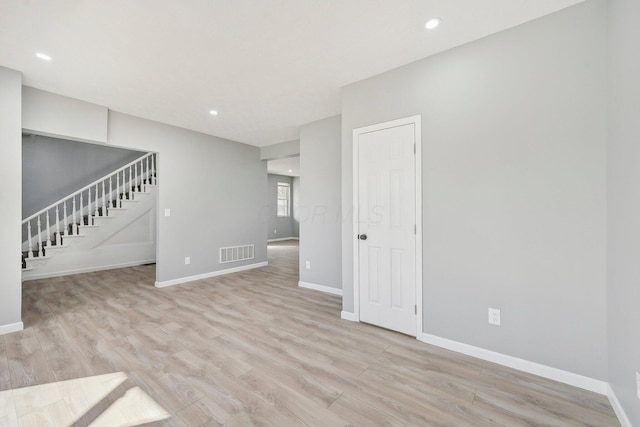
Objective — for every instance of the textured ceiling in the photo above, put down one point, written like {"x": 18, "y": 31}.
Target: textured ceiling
{"x": 267, "y": 66}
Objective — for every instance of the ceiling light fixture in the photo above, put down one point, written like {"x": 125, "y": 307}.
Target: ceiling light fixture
{"x": 213, "y": 112}
{"x": 432, "y": 23}
{"x": 43, "y": 56}
{"x": 290, "y": 171}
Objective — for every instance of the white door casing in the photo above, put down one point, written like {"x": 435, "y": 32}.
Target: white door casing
{"x": 387, "y": 203}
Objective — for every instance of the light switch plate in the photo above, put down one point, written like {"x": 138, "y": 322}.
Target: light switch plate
{"x": 167, "y": 212}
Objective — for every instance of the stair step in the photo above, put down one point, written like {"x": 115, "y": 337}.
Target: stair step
{"x": 75, "y": 237}
{"x": 39, "y": 258}
{"x": 56, "y": 248}
{"x": 35, "y": 262}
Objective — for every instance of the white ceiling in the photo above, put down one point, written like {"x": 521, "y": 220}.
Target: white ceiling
{"x": 267, "y": 66}
{"x": 289, "y": 166}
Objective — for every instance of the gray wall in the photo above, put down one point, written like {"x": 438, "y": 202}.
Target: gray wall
{"x": 319, "y": 209}
{"x": 514, "y": 204}
{"x": 10, "y": 194}
{"x": 279, "y": 151}
{"x": 278, "y": 227}
{"x": 624, "y": 203}
{"x": 53, "y": 168}
{"x": 50, "y": 114}
{"x": 215, "y": 189}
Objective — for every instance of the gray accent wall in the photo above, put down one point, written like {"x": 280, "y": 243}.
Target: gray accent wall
{"x": 278, "y": 227}
{"x": 319, "y": 209}
{"x": 624, "y": 204}
{"x": 513, "y": 188}
{"x": 53, "y": 168}
{"x": 11, "y": 195}
{"x": 215, "y": 190}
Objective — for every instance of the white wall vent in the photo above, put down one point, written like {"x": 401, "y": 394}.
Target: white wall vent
{"x": 236, "y": 253}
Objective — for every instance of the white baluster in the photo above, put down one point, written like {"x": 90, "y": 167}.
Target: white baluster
{"x": 58, "y": 236}
{"x": 74, "y": 226}
{"x": 73, "y": 216}
{"x": 49, "y": 230}
{"x": 82, "y": 207}
{"x": 95, "y": 205}
{"x": 104, "y": 205}
{"x": 148, "y": 170}
{"x": 111, "y": 191}
{"x": 124, "y": 185}
{"x": 64, "y": 213}
{"x": 135, "y": 175}
{"x": 154, "y": 179}
{"x": 30, "y": 252}
{"x": 118, "y": 202}
{"x": 40, "y": 253}
{"x": 131, "y": 183}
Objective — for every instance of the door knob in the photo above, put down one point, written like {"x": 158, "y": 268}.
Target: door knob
{"x": 362, "y": 237}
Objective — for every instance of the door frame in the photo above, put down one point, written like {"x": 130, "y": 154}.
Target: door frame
{"x": 417, "y": 122}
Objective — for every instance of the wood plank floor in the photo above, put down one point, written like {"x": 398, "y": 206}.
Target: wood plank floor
{"x": 250, "y": 348}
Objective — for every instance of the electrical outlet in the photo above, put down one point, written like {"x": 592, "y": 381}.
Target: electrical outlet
{"x": 275, "y": 231}
{"x": 187, "y": 260}
{"x": 494, "y": 316}
{"x": 308, "y": 265}
{"x": 638, "y": 384}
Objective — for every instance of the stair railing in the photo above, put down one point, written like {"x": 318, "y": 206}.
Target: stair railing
{"x": 96, "y": 199}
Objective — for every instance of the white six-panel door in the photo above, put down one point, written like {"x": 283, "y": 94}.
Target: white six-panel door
{"x": 386, "y": 227}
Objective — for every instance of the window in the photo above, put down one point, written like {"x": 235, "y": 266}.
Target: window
{"x": 284, "y": 199}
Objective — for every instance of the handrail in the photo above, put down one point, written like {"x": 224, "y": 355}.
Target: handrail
{"x": 86, "y": 187}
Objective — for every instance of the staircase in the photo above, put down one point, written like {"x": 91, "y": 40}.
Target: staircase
{"x": 70, "y": 232}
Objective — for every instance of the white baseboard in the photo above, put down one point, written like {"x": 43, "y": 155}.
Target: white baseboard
{"x": 321, "y": 288}
{"x": 87, "y": 270}
{"x": 11, "y": 327}
{"x": 282, "y": 239}
{"x": 165, "y": 283}
{"x": 591, "y": 384}
{"x": 347, "y": 315}
{"x": 617, "y": 408}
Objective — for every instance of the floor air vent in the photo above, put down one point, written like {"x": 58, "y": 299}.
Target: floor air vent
{"x": 236, "y": 253}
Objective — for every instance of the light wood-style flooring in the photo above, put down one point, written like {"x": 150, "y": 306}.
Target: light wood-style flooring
{"x": 250, "y": 348}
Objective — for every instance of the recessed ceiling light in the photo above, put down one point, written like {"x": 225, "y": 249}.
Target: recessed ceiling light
{"x": 290, "y": 171}
{"x": 432, "y": 23}
{"x": 43, "y": 56}
{"x": 213, "y": 112}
